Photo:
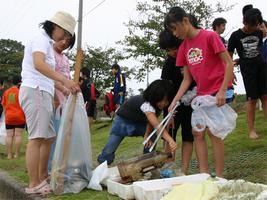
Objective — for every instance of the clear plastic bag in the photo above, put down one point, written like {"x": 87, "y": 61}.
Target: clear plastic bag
{"x": 72, "y": 171}
{"x": 189, "y": 96}
{"x": 220, "y": 120}
{"x": 2, "y": 130}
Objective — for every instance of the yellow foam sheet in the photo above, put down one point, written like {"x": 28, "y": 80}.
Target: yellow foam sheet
{"x": 205, "y": 190}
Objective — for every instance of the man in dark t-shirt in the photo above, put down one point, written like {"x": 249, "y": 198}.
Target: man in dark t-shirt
{"x": 248, "y": 41}
{"x": 182, "y": 118}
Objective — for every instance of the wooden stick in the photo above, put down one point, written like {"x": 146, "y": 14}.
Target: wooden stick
{"x": 68, "y": 130}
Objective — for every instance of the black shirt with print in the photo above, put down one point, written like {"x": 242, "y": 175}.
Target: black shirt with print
{"x": 248, "y": 46}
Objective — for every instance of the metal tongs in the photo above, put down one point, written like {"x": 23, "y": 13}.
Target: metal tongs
{"x": 164, "y": 122}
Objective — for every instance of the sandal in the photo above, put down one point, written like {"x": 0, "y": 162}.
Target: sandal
{"x": 45, "y": 189}
{"x": 35, "y": 190}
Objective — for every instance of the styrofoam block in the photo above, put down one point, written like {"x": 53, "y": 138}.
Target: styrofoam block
{"x": 113, "y": 173}
{"x": 155, "y": 189}
{"x": 124, "y": 191}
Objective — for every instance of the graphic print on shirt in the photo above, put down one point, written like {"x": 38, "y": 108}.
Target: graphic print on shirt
{"x": 250, "y": 45}
{"x": 194, "y": 56}
{"x": 11, "y": 98}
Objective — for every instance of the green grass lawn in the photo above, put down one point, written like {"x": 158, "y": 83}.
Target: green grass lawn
{"x": 244, "y": 158}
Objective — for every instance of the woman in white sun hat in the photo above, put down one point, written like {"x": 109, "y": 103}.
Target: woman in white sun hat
{"x": 36, "y": 96}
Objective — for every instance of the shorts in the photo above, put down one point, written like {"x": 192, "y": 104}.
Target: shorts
{"x": 254, "y": 75}
{"x": 9, "y": 126}
{"x": 38, "y": 109}
{"x": 183, "y": 118}
{"x": 90, "y": 109}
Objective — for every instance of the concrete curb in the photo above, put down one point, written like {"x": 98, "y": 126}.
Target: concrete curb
{"x": 13, "y": 189}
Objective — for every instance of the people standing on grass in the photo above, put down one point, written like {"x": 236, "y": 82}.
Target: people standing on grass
{"x": 263, "y": 28}
{"x": 61, "y": 92}
{"x": 138, "y": 116}
{"x": 182, "y": 118}
{"x": 119, "y": 89}
{"x": 89, "y": 94}
{"x": 248, "y": 42}
{"x": 14, "y": 118}
{"x": 36, "y": 96}
{"x": 205, "y": 60}
{"x": 218, "y": 25}
{"x": 1, "y": 94}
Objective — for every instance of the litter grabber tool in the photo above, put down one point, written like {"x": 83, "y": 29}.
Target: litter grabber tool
{"x": 162, "y": 125}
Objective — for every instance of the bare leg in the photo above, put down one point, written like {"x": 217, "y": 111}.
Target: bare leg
{"x": 201, "y": 151}
{"x": 32, "y": 161}
{"x": 251, "y": 107}
{"x": 18, "y": 140}
{"x": 264, "y": 105}
{"x": 218, "y": 153}
{"x": 9, "y": 142}
{"x": 90, "y": 121}
{"x": 44, "y": 156}
{"x": 187, "y": 149}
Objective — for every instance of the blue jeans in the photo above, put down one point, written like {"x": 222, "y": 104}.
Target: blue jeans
{"x": 53, "y": 146}
{"x": 121, "y": 128}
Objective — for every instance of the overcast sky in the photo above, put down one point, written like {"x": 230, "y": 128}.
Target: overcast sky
{"x": 101, "y": 27}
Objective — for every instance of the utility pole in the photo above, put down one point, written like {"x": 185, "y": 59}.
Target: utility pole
{"x": 79, "y": 37}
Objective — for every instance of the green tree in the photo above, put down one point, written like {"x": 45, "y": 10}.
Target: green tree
{"x": 142, "y": 41}
{"x": 11, "y": 55}
{"x": 99, "y": 61}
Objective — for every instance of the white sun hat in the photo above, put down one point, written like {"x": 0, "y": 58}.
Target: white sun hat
{"x": 65, "y": 21}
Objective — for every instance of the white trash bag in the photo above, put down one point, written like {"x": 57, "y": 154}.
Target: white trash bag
{"x": 2, "y": 129}
{"x": 99, "y": 174}
{"x": 220, "y": 120}
{"x": 74, "y": 173}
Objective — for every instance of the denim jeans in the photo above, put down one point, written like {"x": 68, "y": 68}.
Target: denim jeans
{"x": 53, "y": 146}
{"x": 121, "y": 128}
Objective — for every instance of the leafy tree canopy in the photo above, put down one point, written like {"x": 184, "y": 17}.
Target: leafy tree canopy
{"x": 99, "y": 61}
{"x": 11, "y": 55}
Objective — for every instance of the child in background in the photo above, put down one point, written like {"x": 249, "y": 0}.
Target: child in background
{"x": 89, "y": 94}
{"x": 248, "y": 41}
{"x": 119, "y": 89}
{"x": 137, "y": 117}
{"x": 205, "y": 60}
{"x": 14, "y": 118}
{"x": 218, "y": 25}
{"x": 263, "y": 28}
{"x": 1, "y": 94}
{"x": 61, "y": 92}
{"x": 183, "y": 113}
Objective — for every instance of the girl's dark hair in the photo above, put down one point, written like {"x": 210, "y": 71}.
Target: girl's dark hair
{"x": 253, "y": 17}
{"x": 48, "y": 27}
{"x": 193, "y": 20}
{"x": 246, "y": 8}
{"x": 175, "y": 14}
{"x": 157, "y": 91}
{"x": 86, "y": 72}
{"x": 72, "y": 41}
{"x": 168, "y": 40}
{"x": 16, "y": 80}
